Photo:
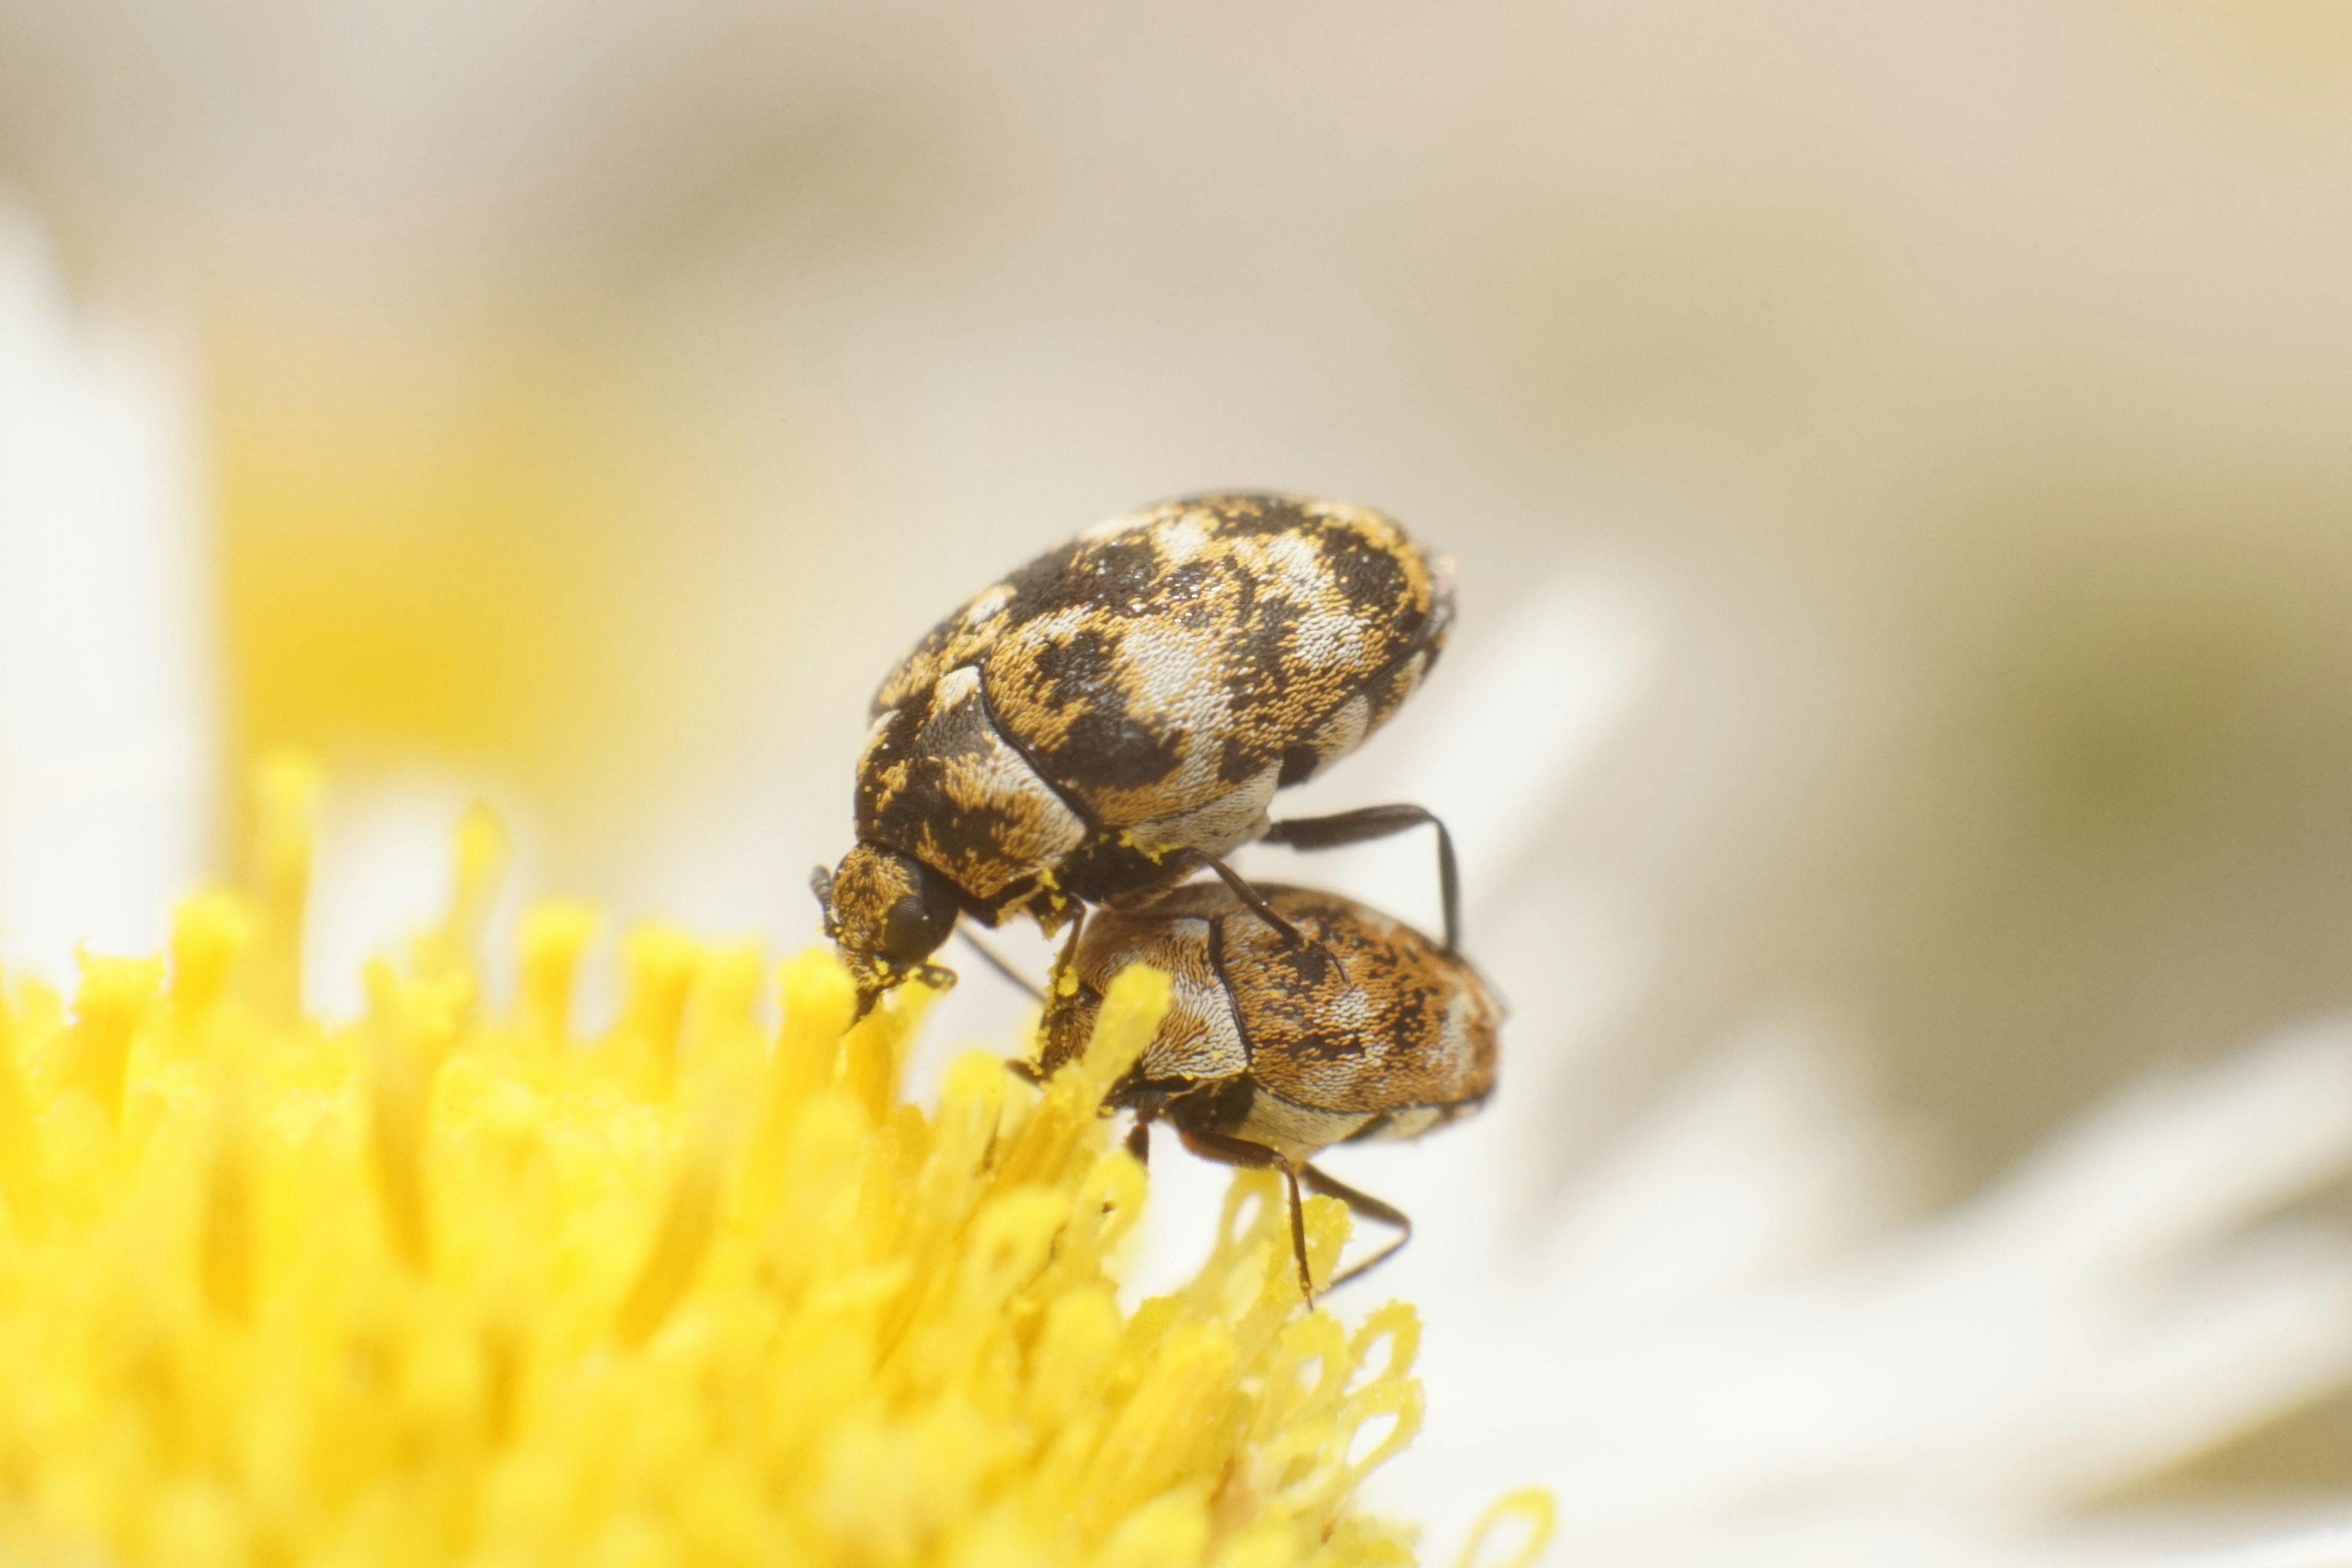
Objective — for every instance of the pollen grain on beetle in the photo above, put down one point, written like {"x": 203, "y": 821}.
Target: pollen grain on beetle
{"x": 451, "y": 1283}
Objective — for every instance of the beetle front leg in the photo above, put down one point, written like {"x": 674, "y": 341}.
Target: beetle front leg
{"x": 1251, "y": 1156}
{"x": 1370, "y": 822}
{"x": 1067, "y": 962}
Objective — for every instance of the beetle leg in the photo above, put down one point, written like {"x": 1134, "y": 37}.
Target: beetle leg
{"x": 1025, "y": 1071}
{"x": 1251, "y": 1156}
{"x": 1068, "y": 963}
{"x": 1254, "y": 899}
{"x": 1255, "y": 903}
{"x": 1138, "y": 1139}
{"x": 1372, "y": 1208}
{"x": 1378, "y": 822}
{"x": 995, "y": 961}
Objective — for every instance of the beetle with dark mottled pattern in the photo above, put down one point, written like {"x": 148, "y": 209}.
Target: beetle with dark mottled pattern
{"x": 1271, "y": 1050}
{"x": 1118, "y": 714}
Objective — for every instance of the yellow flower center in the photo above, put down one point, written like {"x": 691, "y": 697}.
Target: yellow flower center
{"x": 451, "y": 1284}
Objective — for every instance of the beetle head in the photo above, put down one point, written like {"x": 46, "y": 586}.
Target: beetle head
{"x": 887, "y": 912}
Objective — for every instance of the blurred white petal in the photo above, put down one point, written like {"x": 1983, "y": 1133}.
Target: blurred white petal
{"x": 1506, "y": 724}
{"x": 107, "y": 744}
{"x": 2087, "y": 1321}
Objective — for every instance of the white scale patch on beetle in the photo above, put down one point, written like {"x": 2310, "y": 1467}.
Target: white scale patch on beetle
{"x": 1224, "y": 825}
{"x": 1351, "y": 1009}
{"x": 988, "y": 604}
{"x": 1168, "y": 678}
{"x": 980, "y": 774}
{"x": 1297, "y": 1131}
{"x": 1199, "y": 1038}
{"x": 1329, "y": 642}
{"x": 1344, "y": 730}
{"x": 1412, "y": 1124}
{"x": 1299, "y": 568}
{"x": 1454, "y": 1038}
{"x": 1181, "y": 541}
{"x": 1171, "y": 675}
{"x": 1061, "y": 626}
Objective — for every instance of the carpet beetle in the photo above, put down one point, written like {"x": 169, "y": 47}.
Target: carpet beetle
{"x": 1119, "y": 712}
{"x": 1273, "y": 1050}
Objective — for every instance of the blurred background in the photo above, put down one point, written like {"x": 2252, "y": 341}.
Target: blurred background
{"x": 1897, "y": 459}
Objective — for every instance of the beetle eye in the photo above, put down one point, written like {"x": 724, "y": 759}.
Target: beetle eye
{"x": 911, "y": 933}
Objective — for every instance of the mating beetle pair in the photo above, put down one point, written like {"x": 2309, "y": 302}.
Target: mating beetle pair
{"x": 1117, "y": 715}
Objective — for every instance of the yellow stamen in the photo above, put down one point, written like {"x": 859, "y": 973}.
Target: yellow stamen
{"x": 20, "y": 1146}
{"x": 286, "y": 808}
{"x": 553, "y": 938}
{"x": 680, "y": 1244}
{"x": 209, "y": 933}
{"x": 110, "y": 1007}
{"x": 227, "y": 1226}
{"x": 1532, "y": 1504}
{"x": 399, "y": 1082}
{"x": 445, "y": 1287}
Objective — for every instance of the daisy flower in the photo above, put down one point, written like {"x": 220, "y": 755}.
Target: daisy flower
{"x": 471, "y": 1271}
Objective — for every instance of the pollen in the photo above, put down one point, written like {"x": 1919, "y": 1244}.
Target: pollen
{"x": 459, "y": 1281}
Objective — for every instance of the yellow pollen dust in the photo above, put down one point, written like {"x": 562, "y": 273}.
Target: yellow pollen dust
{"x": 451, "y": 1283}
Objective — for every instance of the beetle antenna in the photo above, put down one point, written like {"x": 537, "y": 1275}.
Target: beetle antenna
{"x": 820, "y": 884}
{"x": 989, "y": 956}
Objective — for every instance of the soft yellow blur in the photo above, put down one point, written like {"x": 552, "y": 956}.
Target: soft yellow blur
{"x": 424, "y": 559}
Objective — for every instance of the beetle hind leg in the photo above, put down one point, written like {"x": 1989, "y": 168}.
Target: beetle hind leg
{"x": 1370, "y": 822}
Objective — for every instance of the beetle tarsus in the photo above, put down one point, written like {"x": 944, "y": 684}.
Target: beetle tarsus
{"x": 1370, "y": 822}
{"x": 1249, "y": 1156}
{"x": 1299, "y": 1236}
{"x": 1361, "y": 1203}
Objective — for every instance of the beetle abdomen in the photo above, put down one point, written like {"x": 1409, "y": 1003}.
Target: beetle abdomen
{"x": 1300, "y": 1054}
{"x": 1406, "y": 1027}
{"x": 1168, "y": 670}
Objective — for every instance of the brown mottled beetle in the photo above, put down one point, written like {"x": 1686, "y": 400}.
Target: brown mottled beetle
{"x": 1119, "y": 713}
{"x": 1270, "y": 1053}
